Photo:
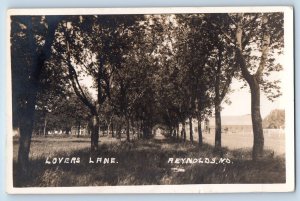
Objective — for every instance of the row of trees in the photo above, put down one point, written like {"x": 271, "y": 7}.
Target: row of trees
{"x": 144, "y": 70}
{"x": 274, "y": 120}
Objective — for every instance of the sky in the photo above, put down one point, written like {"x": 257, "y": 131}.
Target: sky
{"x": 241, "y": 102}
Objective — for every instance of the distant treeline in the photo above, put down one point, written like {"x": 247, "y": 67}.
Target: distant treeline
{"x": 275, "y": 120}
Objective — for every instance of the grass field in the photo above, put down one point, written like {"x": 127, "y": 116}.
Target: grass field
{"x": 234, "y": 141}
{"x": 143, "y": 162}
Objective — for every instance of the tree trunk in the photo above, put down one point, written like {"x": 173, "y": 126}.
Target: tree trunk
{"x": 218, "y": 127}
{"x": 177, "y": 132}
{"x": 170, "y": 132}
{"x": 133, "y": 128}
{"x": 140, "y": 130}
{"x": 107, "y": 129}
{"x": 183, "y": 131}
{"x": 146, "y": 130}
{"x": 78, "y": 129}
{"x": 191, "y": 129}
{"x": 119, "y": 130}
{"x": 173, "y": 133}
{"x": 200, "y": 140}
{"x": 68, "y": 130}
{"x": 217, "y": 102}
{"x": 95, "y": 133}
{"x": 127, "y": 130}
{"x": 45, "y": 126}
{"x": 26, "y": 127}
{"x": 258, "y": 144}
{"x": 112, "y": 129}
{"x": 26, "y": 121}
{"x": 253, "y": 81}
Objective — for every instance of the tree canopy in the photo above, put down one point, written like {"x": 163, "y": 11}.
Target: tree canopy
{"x": 140, "y": 70}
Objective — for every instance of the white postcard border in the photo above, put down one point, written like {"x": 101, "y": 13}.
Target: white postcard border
{"x": 194, "y": 188}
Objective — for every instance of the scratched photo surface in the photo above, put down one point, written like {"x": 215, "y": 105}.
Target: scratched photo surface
{"x": 148, "y": 99}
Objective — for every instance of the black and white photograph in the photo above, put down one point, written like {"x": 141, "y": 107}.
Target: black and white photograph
{"x": 150, "y": 100}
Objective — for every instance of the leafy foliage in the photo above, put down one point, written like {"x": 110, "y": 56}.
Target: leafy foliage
{"x": 140, "y": 70}
{"x": 275, "y": 120}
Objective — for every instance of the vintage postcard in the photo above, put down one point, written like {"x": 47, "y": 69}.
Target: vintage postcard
{"x": 150, "y": 100}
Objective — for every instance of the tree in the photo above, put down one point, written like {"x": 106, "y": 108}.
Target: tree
{"x": 267, "y": 33}
{"x": 81, "y": 56}
{"x": 221, "y": 61}
{"x": 67, "y": 112}
{"x": 52, "y": 91}
{"x": 275, "y": 120}
{"x": 257, "y": 39}
{"x": 31, "y": 39}
{"x": 196, "y": 43}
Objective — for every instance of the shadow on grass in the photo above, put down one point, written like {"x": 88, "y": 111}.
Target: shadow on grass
{"x": 145, "y": 162}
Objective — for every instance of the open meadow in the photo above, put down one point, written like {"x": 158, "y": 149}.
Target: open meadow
{"x": 235, "y": 141}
